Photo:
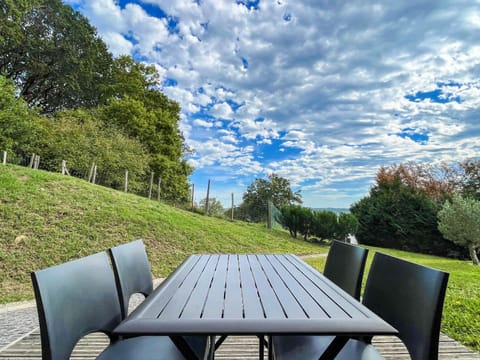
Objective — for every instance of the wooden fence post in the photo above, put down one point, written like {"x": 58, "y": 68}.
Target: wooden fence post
{"x": 64, "y": 168}
{"x": 158, "y": 188}
{"x": 90, "y": 173}
{"x": 193, "y": 196}
{"x": 32, "y": 160}
{"x": 208, "y": 195}
{"x": 94, "y": 177}
{"x": 4, "y": 158}
{"x": 151, "y": 185}
{"x": 126, "y": 180}
{"x": 233, "y": 205}
{"x": 36, "y": 162}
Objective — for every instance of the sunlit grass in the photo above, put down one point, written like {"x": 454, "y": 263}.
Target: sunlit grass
{"x": 48, "y": 219}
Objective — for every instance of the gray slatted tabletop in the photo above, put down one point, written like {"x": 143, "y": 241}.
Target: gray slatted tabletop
{"x": 251, "y": 295}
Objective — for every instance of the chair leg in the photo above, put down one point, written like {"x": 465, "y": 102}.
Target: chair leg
{"x": 270, "y": 348}
{"x": 261, "y": 347}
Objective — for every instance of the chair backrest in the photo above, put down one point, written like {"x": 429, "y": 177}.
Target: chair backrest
{"x": 410, "y": 297}
{"x": 132, "y": 271}
{"x": 345, "y": 266}
{"x": 74, "y": 299}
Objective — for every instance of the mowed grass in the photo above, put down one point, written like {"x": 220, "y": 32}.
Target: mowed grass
{"x": 461, "y": 312}
{"x": 48, "y": 219}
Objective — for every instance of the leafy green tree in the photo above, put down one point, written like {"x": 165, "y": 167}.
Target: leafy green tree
{"x": 296, "y": 219}
{"x": 275, "y": 188}
{"x": 53, "y": 54}
{"x": 471, "y": 179}
{"x": 347, "y": 225}
{"x": 324, "y": 224}
{"x": 79, "y": 138}
{"x": 395, "y": 215}
{"x": 20, "y": 127}
{"x": 215, "y": 207}
{"x": 459, "y": 221}
{"x": 136, "y": 108}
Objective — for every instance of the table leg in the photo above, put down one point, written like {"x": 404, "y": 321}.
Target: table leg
{"x": 184, "y": 347}
{"x": 270, "y": 347}
{"x": 334, "y": 348}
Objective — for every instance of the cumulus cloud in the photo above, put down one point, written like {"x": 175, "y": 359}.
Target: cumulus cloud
{"x": 348, "y": 84}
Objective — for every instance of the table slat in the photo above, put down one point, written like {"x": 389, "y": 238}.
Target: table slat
{"x": 270, "y": 303}
{"x": 251, "y": 301}
{"x": 289, "y": 303}
{"x": 216, "y": 296}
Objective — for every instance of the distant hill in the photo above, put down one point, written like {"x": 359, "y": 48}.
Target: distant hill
{"x": 335, "y": 210}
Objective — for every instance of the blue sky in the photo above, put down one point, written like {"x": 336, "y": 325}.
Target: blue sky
{"x": 322, "y": 93}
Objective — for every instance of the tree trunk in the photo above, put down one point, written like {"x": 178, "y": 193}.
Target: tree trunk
{"x": 473, "y": 254}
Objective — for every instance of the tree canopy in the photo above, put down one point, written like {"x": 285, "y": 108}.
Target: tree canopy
{"x": 459, "y": 221}
{"x": 53, "y": 54}
{"x": 275, "y": 189}
{"x": 396, "y": 214}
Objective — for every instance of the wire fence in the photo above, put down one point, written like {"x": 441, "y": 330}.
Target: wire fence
{"x": 264, "y": 211}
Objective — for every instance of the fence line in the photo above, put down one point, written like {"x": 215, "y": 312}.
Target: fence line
{"x": 33, "y": 162}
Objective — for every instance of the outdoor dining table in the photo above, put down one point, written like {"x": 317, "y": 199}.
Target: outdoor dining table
{"x": 260, "y": 294}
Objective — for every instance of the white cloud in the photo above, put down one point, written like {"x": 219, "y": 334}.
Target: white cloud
{"x": 222, "y": 110}
{"x": 328, "y": 79}
{"x": 202, "y": 123}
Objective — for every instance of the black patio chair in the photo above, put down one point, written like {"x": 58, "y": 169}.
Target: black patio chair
{"x": 408, "y": 296}
{"x": 132, "y": 275}
{"x": 345, "y": 266}
{"x": 78, "y": 298}
{"x": 132, "y": 272}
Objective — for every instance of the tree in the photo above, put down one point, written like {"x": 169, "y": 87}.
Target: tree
{"x": 215, "y": 207}
{"x": 459, "y": 222}
{"x": 296, "y": 219}
{"x": 324, "y": 224}
{"x": 137, "y": 108}
{"x": 396, "y": 215}
{"x": 437, "y": 182}
{"x": 347, "y": 225}
{"x": 471, "y": 178}
{"x": 20, "y": 127}
{"x": 275, "y": 188}
{"x": 79, "y": 138}
{"x": 53, "y": 54}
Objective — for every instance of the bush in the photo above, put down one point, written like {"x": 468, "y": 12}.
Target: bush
{"x": 296, "y": 219}
{"x": 20, "y": 127}
{"x": 324, "y": 224}
{"x": 347, "y": 225}
{"x": 75, "y": 136}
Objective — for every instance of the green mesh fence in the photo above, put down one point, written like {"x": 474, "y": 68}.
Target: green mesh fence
{"x": 272, "y": 216}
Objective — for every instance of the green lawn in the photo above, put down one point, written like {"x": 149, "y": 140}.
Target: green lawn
{"x": 461, "y": 312}
{"x": 48, "y": 219}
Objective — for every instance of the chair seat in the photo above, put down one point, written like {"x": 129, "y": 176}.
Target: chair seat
{"x": 311, "y": 347}
{"x": 149, "y": 348}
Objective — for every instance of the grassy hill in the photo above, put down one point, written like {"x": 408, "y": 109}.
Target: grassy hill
{"x": 47, "y": 219}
